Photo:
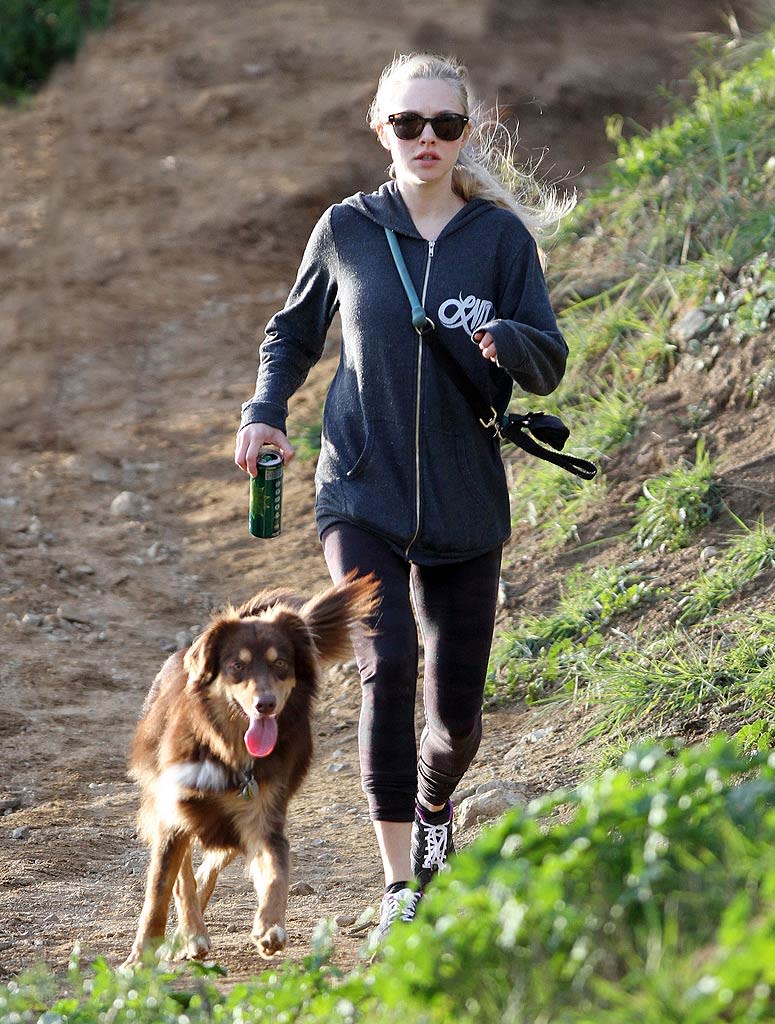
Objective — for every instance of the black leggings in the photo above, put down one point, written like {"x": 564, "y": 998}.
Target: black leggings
{"x": 455, "y": 605}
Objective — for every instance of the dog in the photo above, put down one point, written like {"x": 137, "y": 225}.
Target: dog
{"x": 223, "y": 743}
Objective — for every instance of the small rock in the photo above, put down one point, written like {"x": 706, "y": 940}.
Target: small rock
{"x": 332, "y": 769}
{"x": 20, "y": 833}
{"x": 31, "y": 620}
{"x": 488, "y": 805}
{"x": 10, "y": 803}
{"x": 708, "y": 553}
{"x": 83, "y": 570}
{"x": 301, "y": 889}
{"x": 158, "y": 552}
{"x": 345, "y": 920}
{"x": 513, "y": 753}
{"x": 688, "y": 326}
{"x": 129, "y": 505}
{"x": 538, "y": 734}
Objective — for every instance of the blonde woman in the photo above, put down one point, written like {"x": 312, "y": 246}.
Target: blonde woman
{"x": 409, "y": 484}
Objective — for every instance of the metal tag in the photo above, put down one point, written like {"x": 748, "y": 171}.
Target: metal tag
{"x": 249, "y": 790}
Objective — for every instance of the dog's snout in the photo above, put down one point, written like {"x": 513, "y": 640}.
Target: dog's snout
{"x": 265, "y": 704}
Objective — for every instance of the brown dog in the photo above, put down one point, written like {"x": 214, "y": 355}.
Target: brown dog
{"x": 224, "y": 742}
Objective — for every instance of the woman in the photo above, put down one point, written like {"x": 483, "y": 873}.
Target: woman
{"x": 409, "y": 484}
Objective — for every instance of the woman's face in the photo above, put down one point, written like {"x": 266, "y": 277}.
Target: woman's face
{"x": 426, "y": 159}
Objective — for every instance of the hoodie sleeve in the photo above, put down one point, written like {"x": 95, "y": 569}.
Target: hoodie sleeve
{"x": 530, "y": 346}
{"x": 296, "y": 335}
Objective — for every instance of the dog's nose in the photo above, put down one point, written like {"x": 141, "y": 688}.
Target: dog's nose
{"x": 265, "y": 704}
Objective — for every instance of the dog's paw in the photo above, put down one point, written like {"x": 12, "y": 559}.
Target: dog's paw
{"x": 188, "y": 947}
{"x": 272, "y": 941}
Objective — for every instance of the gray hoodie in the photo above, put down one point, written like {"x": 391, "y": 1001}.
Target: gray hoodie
{"x": 402, "y": 454}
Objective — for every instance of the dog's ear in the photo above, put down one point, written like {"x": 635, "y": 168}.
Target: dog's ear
{"x": 268, "y": 599}
{"x": 202, "y": 659}
{"x": 331, "y": 614}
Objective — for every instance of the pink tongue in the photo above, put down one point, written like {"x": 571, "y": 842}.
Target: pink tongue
{"x": 261, "y": 736}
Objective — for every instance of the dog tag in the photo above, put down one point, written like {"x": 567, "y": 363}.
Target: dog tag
{"x": 249, "y": 790}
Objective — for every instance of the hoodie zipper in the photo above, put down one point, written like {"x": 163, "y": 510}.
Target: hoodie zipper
{"x": 431, "y": 248}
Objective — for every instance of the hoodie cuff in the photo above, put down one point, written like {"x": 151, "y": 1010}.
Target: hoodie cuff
{"x": 263, "y": 412}
{"x": 511, "y": 353}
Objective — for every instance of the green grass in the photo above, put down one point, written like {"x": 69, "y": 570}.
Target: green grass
{"x": 542, "y": 653}
{"x": 676, "y": 505}
{"x": 747, "y": 555}
{"x": 650, "y": 898}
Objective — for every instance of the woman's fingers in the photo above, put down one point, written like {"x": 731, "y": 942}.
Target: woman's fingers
{"x": 255, "y": 436}
{"x": 486, "y": 344}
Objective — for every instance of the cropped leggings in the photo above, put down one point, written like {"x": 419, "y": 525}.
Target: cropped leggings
{"x": 455, "y": 607}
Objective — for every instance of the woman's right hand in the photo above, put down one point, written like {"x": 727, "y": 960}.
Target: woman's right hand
{"x": 252, "y": 438}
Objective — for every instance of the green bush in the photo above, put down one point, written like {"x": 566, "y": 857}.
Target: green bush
{"x": 35, "y": 34}
{"x": 646, "y": 894}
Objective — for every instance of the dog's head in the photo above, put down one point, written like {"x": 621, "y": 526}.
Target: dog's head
{"x": 254, "y": 656}
{"x": 253, "y": 664}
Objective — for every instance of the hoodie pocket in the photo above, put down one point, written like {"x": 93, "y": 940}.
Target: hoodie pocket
{"x": 362, "y": 460}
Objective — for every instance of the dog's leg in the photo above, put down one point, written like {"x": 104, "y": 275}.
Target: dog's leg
{"x": 268, "y": 867}
{"x": 191, "y": 941}
{"x": 213, "y": 863}
{"x": 167, "y": 852}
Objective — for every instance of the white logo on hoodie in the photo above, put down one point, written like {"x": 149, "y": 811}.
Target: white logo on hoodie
{"x": 469, "y": 312}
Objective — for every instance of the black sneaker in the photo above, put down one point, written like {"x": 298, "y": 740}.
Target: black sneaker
{"x": 431, "y": 842}
{"x": 396, "y": 906}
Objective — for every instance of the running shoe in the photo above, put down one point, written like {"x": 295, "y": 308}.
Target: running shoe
{"x": 431, "y": 842}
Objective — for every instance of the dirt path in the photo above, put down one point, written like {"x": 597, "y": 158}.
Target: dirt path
{"x": 154, "y": 202}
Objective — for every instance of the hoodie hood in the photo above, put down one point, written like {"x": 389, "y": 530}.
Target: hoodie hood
{"x": 387, "y": 208}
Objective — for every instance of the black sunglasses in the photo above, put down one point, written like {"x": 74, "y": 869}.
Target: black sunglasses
{"x": 409, "y": 125}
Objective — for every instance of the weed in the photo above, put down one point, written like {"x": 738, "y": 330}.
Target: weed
{"x": 674, "y": 506}
{"x": 543, "y": 654}
{"x": 745, "y": 557}
{"x": 680, "y": 674}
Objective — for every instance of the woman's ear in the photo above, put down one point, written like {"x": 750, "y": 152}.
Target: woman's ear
{"x": 382, "y": 135}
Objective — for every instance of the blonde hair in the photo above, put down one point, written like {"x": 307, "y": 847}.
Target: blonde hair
{"x": 485, "y": 167}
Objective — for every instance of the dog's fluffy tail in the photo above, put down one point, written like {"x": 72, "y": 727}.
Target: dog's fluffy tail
{"x": 331, "y": 614}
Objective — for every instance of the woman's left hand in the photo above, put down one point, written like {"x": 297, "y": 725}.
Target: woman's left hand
{"x": 486, "y": 345}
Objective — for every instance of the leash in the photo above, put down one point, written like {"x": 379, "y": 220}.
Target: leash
{"x": 509, "y": 426}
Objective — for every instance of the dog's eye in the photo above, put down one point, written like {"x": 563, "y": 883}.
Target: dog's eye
{"x": 280, "y": 667}
{"x": 236, "y": 668}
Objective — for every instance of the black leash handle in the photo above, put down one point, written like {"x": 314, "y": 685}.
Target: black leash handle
{"x": 512, "y": 430}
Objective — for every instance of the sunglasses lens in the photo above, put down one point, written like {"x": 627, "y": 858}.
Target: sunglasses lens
{"x": 407, "y": 126}
{"x": 448, "y": 127}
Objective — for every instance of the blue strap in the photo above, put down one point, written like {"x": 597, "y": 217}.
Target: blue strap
{"x": 420, "y": 319}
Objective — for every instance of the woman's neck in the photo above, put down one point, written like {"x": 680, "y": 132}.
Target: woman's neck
{"x": 430, "y": 206}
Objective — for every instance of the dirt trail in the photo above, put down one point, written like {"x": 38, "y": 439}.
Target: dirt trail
{"x": 154, "y": 202}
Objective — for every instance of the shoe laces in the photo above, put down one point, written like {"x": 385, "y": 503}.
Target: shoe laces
{"x": 399, "y": 905}
{"x": 435, "y": 845}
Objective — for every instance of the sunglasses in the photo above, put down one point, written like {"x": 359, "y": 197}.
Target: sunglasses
{"x": 409, "y": 125}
